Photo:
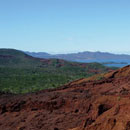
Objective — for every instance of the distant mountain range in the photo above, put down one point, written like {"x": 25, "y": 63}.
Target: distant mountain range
{"x": 82, "y": 56}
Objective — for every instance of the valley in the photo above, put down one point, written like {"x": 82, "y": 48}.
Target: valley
{"x": 21, "y": 73}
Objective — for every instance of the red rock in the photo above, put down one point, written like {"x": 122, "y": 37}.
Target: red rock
{"x": 79, "y": 105}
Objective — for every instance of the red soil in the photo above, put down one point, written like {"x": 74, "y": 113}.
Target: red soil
{"x": 80, "y": 105}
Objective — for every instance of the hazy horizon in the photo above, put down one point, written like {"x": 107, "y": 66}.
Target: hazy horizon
{"x": 69, "y": 52}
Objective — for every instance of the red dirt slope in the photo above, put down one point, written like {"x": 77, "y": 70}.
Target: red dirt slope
{"x": 80, "y": 105}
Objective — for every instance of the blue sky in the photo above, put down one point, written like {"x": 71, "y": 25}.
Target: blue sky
{"x": 62, "y": 26}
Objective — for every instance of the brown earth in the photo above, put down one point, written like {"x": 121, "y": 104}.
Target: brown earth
{"x": 80, "y": 105}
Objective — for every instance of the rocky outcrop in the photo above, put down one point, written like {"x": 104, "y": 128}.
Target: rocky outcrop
{"x": 79, "y": 105}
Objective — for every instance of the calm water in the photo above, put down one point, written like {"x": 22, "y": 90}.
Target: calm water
{"x": 110, "y": 65}
{"x": 116, "y": 65}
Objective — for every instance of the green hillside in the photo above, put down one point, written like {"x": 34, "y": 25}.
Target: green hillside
{"x": 15, "y": 58}
{"x": 20, "y": 73}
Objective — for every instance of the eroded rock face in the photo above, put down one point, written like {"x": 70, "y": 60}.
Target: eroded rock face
{"x": 80, "y": 105}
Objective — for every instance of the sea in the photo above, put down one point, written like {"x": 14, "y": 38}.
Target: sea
{"x": 109, "y": 63}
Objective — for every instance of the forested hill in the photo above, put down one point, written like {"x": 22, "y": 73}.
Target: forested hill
{"x": 21, "y": 73}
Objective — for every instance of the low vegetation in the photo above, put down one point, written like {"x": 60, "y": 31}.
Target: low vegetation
{"x": 20, "y": 73}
